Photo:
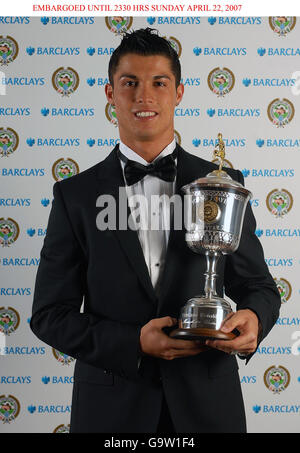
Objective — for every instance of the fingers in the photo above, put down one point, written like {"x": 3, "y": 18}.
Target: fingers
{"x": 246, "y": 322}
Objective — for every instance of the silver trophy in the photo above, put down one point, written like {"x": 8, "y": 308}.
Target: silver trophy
{"x": 216, "y": 208}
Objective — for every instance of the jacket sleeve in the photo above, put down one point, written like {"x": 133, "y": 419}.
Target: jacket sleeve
{"x": 248, "y": 281}
{"x": 58, "y": 296}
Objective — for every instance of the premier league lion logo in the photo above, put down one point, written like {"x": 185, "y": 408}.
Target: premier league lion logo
{"x": 221, "y": 81}
{"x": 9, "y": 231}
{"x": 9, "y": 408}
{"x": 279, "y": 202}
{"x": 9, "y": 50}
{"x": 64, "y": 169}
{"x": 282, "y": 25}
{"x": 276, "y": 379}
{"x": 281, "y": 112}
{"x": 65, "y": 81}
{"x": 118, "y": 24}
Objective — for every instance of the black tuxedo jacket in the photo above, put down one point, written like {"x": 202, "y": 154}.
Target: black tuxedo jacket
{"x": 112, "y": 391}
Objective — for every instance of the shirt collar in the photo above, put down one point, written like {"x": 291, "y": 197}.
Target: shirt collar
{"x": 132, "y": 155}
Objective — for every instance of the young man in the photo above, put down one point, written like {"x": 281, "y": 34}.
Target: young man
{"x": 130, "y": 376}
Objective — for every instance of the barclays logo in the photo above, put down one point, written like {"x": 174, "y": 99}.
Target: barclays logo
{"x": 277, "y": 409}
{"x": 259, "y": 232}
{"x": 274, "y": 350}
{"x": 38, "y": 232}
{"x": 278, "y": 143}
{"x": 248, "y": 380}
{"x": 234, "y": 112}
{"x": 208, "y": 142}
{"x": 174, "y": 20}
{"x": 53, "y": 142}
{"x": 68, "y": 112}
{"x": 6, "y": 20}
{"x": 269, "y": 172}
{"x": 15, "y": 292}
{"x": 45, "y": 202}
{"x": 106, "y": 51}
{"x": 23, "y": 81}
{"x": 287, "y": 321}
{"x": 15, "y": 111}
{"x": 279, "y": 52}
{"x": 283, "y": 82}
{"x": 56, "y": 51}
{"x": 101, "y": 81}
{"x": 110, "y": 142}
{"x": 235, "y": 20}
{"x": 220, "y": 51}
{"x": 15, "y": 202}
{"x": 190, "y": 81}
{"x": 282, "y": 232}
{"x": 20, "y": 261}
{"x": 58, "y": 380}
{"x": 68, "y": 20}
{"x": 15, "y": 379}
{"x": 187, "y": 112}
{"x": 49, "y": 409}
{"x": 22, "y": 171}
{"x": 279, "y": 262}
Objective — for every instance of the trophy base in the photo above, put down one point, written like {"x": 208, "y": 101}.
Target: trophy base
{"x": 201, "y": 334}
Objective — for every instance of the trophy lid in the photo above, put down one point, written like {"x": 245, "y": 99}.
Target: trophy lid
{"x": 217, "y": 178}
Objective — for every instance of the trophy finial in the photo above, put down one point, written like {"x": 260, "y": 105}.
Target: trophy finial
{"x": 220, "y": 153}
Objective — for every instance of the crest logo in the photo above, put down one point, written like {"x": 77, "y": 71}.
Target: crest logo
{"x": 62, "y": 429}
{"x": 9, "y": 408}
{"x": 175, "y": 44}
{"x": 62, "y": 358}
{"x": 9, "y": 50}
{"x": 65, "y": 81}
{"x": 221, "y": 81}
{"x": 285, "y": 289}
{"x": 9, "y": 320}
{"x": 281, "y": 112}
{"x": 282, "y": 25}
{"x": 279, "y": 202}
{"x": 118, "y": 25}
{"x": 64, "y": 169}
{"x": 9, "y": 231}
{"x": 110, "y": 113}
{"x": 276, "y": 379}
{"x": 9, "y": 141}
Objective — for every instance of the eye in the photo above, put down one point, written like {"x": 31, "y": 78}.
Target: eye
{"x": 160, "y": 83}
{"x": 130, "y": 83}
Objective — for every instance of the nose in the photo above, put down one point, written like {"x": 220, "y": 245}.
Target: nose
{"x": 144, "y": 94}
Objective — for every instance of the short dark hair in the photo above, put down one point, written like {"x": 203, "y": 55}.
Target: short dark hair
{"x": 145, "y": 42}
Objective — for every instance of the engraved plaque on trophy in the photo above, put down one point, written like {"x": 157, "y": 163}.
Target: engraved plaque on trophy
{"x": 216, "y": 207}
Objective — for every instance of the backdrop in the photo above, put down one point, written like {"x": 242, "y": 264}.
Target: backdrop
{"x": 241, "y": 77}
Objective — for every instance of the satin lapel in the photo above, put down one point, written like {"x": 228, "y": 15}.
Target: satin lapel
{"x": 188, "y": 169}
{"x": 110, "y": 177}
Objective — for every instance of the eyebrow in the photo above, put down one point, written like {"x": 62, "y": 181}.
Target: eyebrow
{"x": 132, "y": 76}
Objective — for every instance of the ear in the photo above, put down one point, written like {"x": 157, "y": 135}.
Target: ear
{"x": 179, "y": 93}
{"x": 109, "y": 92}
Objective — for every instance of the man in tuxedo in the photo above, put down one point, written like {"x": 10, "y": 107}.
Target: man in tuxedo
{"x": 130, "y": 376}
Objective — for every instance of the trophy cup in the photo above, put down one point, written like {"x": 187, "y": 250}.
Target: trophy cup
{"x": 216, "y": 208}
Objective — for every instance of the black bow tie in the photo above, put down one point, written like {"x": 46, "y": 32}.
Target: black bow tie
{"x": 164, "y": 168}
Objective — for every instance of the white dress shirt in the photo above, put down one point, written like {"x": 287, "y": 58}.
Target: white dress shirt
{"x": 153, "y": 240}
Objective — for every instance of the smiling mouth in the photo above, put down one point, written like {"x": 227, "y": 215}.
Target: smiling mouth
{"x": 145, "y": 114}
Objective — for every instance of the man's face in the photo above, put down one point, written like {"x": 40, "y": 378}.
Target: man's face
{"x": 145, "y": 96}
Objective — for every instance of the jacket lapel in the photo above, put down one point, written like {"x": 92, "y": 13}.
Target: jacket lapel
{"x": 110, "y": 179}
